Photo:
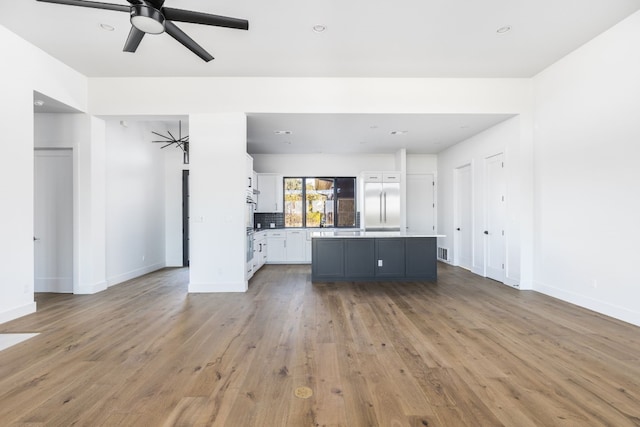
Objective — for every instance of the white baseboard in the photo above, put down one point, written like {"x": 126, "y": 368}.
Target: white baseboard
{"x": 478, "y": 270}
{"x": 17, "y": 312}
{"x": 611, "y": 310}
{"x": 91, "y": 289}
{"x": 514, "y": 283}
{"x": 63, "y": 285}
{"x": 112, "y": 281}
{"x": 201, "y": 288}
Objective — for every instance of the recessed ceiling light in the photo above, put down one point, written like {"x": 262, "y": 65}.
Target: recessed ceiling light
{"x": 319, "y": 28}
{"x": 283, "y": 132}
{"x": 373, "y": 127}
{"x": 504, "y": 29}
{"x": 38, "y": 102}
{"x": 399, "y": 132}
{"x": 107, "y": 27}
{"x": 286, "y": 142}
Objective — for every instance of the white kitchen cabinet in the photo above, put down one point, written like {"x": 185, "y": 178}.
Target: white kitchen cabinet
{"x": 270, "y": 198}
{"x": 259, "y": 250}
{"x": 250, "y": 183}
{"x": 287, "y": 247}
{"x": 307, "y": 247}
{"x": 296, "y": 240}
{"x": 277, "y": 247}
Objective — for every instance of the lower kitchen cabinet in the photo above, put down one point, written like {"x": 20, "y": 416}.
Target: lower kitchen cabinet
{"x": 359, "y": 254}
{"x": 417, "y": 251}
{"x": 328, "y": 259}
{"x": 277, "y": 246}
{"x": 287, "y": 247}
{"x": 259, "y": 250}
{"x": 296, "y": 240}
{"x": 390, "y": 257}
{"x": 374, "y": 259}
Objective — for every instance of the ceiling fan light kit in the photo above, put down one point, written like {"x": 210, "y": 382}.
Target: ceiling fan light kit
{"x": 151, "y": 17}
{"x": 147, "y": 19}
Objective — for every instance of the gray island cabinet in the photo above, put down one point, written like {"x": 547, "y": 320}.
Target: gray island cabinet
{"x": 372, "y": 256}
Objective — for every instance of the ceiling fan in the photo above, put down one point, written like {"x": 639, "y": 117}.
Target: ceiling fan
{"x": 151, "y": 17}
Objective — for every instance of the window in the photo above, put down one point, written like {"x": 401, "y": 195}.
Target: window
{"x": 319, "y": 202}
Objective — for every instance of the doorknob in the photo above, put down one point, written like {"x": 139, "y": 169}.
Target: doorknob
{"x": 486, "y": 232}
{"x": 458, "y": 229}
{"x": 35, "y": 238}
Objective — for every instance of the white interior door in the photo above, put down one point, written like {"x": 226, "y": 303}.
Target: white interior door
{"x": 464, "y": 217}
{"x": 53, "y": 221}
{"x": 495, "y": 220}
{"x": 421, "y": 210}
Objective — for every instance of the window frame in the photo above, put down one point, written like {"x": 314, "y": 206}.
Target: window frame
{"x": 335, "y": 198}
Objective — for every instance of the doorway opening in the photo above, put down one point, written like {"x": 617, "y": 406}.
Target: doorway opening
{"x": 185, "y": 218}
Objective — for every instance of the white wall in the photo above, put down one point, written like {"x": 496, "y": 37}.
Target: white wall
{"x": 322, "y": 164}
{"x": 587, "y": 193}
{"x": 502, "y": 138}
{"x": 140, "y": 96}
{"x": 135, "y": 208}
{"x": 340, "y": 165}
{"x": 422, "y": 163}
{"x": 25, "y": 69}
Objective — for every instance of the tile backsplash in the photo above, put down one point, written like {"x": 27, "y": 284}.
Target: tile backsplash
{"x": 264, "y": 220}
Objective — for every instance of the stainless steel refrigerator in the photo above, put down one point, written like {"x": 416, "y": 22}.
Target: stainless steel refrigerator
{"x": 382, "y": 202}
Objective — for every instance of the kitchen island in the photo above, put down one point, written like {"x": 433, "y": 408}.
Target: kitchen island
{"x": 373, "y": 256}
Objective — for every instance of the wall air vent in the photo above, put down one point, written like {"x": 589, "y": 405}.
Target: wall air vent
{"x": 443, "y": 254}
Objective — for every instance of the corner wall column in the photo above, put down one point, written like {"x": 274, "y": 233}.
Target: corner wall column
{"x": 217, "y": 180}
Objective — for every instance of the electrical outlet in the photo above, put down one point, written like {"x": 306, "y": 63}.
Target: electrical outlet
{"x": 379, "y": 263}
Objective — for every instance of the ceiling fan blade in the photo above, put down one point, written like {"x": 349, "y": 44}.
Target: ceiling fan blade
{"x": 187, "y": 41}
{"x": 192, "y": 17}
{"x": 134, "y": 2}
{"x": 134, "y": 39}
{"x": 92, "y": 4}
{"x": 161, "y": 135}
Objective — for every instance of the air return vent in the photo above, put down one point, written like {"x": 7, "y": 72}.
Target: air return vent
{"x": 443, "y": 254}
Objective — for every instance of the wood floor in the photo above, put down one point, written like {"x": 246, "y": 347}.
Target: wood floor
{"x": 464, "y": 351}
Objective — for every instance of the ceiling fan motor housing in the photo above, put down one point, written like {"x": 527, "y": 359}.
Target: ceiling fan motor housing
{"x": 147, "y": 19}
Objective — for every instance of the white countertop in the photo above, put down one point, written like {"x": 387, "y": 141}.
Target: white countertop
{"x": 369, "y": 234}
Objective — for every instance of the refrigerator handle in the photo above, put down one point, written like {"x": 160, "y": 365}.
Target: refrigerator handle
{"x": 385, "y": 207}
{"x": 380, "y": 211}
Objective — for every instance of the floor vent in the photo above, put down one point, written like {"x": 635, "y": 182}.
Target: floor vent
{"x": 443, "y": 254}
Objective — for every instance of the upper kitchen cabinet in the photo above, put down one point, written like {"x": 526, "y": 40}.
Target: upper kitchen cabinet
{"x": 270, "y": 195}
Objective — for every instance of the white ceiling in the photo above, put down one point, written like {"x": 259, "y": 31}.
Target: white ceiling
{"x": 363, "y": 38}
{"x": 362, "y": 133}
